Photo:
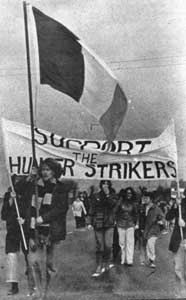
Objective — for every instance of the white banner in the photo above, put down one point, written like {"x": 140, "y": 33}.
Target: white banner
{"x": 141, "y": 159}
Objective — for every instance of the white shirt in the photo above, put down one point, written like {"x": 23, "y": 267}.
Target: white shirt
{"x": 77, "y": 208}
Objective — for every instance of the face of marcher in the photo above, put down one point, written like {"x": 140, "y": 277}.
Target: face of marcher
{"x": 147, "y": 200}
{"x": 105, "y": 187}
{"x": 81, "y": 196}
{"x": 47, "y": 173}
{"x": 129, "y": 194}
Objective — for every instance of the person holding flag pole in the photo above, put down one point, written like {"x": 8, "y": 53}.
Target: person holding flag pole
{"x": 44, "y": 220}
{"x": 177, "y": 243}
{"x": 11, "y": 212}
{"x": 50, "y": 224}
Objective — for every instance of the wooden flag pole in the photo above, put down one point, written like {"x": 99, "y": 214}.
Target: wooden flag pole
{"x": 29, "y": 80}
{"x": 20, "y": 225}
{"x": 178, "y": 191}
{"x": 179, "y": 206}
{"x": 13, "y": 195}
{"x": 30, "y": 101}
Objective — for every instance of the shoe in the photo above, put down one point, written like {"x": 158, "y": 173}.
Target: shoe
{"x": 98, "y": 272}
{"x": 14, "y": 289}
{"x": 164, "y": 232}
{"x": 12, "y": 292}
{"x": 34, "y": 294}
{"x": 110, "y": 266}
{"x": 129, "y": 265}
{"x": 103, "y": 269}
{"x": 51, "y": 269}
{"x": 152, "y": 265}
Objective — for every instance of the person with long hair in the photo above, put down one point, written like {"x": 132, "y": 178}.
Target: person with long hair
{"x": 46, "y": 219}
{"x": 126, "y": 218}
{"x": 177, "y": 243}
{"x": 101, "y": 217}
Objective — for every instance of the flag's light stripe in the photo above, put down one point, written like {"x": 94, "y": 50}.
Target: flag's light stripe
{"x": 99, "y": 60}
{"x": 99, "y": 86}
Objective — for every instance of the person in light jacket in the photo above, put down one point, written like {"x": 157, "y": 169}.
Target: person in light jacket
{"x": 79, "y": 211}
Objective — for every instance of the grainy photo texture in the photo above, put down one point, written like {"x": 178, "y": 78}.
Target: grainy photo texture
{"x": 92, "y": 157}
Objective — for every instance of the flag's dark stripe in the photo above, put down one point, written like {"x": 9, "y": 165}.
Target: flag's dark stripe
{"x": 111, "y": 120}
{"x": 60, "y": 56}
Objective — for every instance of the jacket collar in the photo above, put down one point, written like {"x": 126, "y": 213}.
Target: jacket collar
{"x": 41, "y": 182}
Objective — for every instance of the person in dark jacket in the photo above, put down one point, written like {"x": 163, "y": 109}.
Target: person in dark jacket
{"x": 154, "y": 219}
{"x": 176, "y": 245}
{"x": 126, "y": 218}
{"x": 101, "y": 217}
{"x": 45, "y": 220}
{"x": 13, "y": 238}
{"x": 14, "y": 241}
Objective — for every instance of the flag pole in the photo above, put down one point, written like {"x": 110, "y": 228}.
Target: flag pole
{"x": 179, "y": 206}
{"x": 29, "y": 80}
{"x": 178, "y": 188}
{"x": 18, "y": 215}
{"x": 30, "y": 99}
{"x": 179, "y": 196}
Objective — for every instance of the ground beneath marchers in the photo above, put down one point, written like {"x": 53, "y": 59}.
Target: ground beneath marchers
{"x": 76, "y": 262}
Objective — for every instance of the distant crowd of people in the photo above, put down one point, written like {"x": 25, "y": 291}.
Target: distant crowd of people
{"x": 120, "y": 220}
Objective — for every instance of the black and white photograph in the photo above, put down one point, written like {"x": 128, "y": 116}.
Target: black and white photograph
{"x": 93, "y": 149}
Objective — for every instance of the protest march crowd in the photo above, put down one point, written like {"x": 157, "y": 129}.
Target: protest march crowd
{"x": 35, "y": 209}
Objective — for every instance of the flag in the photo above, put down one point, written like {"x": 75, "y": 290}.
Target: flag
{"x": 69, "y": 66}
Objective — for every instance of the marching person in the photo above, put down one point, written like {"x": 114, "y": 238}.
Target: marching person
{"x": 126, "y": 218}
{"x": 47, "y": 227}
{"x": 154, "y": 219}
{"x": 141, "y": 224}
{"x": 13, "y": 241}
{"x": 101, "y": 217}
{"x": 177, "y": 246}
{"x": 79, "y": 211}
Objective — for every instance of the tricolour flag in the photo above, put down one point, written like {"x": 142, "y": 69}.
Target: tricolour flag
{"x": 69, "y": 66}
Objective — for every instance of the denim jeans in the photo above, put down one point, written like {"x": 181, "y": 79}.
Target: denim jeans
{"x": 180, "y": 264}
{"x": 104, "y": 241}
{"x": 42, "y": 259}
{"x": 150, "y": 248}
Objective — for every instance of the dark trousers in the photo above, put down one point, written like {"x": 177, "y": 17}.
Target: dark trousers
{"x": 80, "y": 222}
{"x": 116, "y": 246}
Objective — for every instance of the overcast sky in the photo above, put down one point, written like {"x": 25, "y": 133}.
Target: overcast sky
{"x": 143, "y": 42}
